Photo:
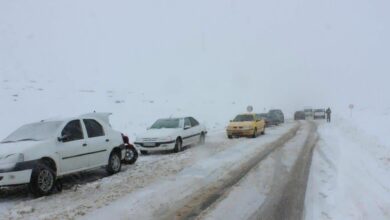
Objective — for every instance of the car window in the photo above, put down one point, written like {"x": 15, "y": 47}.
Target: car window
{"x": 194, "y": 122}
{"x": 94, "y": 129}
{"x": 241, "y": 118}
{"x": 72, "y": 131}
{"x": 187, "y": 122}
{"x": 166, "y": 123}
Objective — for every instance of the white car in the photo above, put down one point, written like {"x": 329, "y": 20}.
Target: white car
{"x": 171, "y": 134}
{"x": 39, "y": 153}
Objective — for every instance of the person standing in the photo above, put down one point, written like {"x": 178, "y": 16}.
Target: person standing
{"x": 328, "y": 115}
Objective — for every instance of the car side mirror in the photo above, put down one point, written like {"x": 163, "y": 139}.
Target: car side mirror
{"x": 63, "y": 138}
{"x": 187, "y": 127}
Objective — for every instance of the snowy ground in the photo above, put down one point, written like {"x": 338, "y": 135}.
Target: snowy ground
{"x": 350, "y": 173}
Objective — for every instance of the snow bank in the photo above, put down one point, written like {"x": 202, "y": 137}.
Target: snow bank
{"x": 350, "y": 173}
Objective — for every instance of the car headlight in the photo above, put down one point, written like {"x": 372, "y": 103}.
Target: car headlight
{"x": 9, "y": 161}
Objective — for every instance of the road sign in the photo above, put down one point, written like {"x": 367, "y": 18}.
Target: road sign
{"x": 249, "y": 108}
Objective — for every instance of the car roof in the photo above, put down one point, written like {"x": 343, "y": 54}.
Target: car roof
{"x": 247, "y": 114}
{"x": 104, "y": 116}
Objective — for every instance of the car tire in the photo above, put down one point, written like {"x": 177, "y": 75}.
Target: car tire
{"x": 131, "y": 155}
{"x": 144, "y": 152}
{"x": 254, "y": 133}
{"x": 230, "y": 136}
{"x": 43, "y": 180}
{"x": 178, "y": 146}
{"x": 114, "y": 163}
{"x": 202, "y": 139}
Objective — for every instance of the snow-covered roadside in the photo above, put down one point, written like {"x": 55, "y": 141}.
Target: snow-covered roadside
{"x": 159, "y": 199}
{"x": 350, "y": 172}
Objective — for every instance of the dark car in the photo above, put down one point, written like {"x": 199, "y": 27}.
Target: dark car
{"x": 319, "y": 114}
{"x": 267, "y": 118}
{"x": 299, "y": 115}
{"x": 276, "y": 115}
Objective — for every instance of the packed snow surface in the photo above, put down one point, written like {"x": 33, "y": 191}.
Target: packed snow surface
{"x": 350, "y": 173}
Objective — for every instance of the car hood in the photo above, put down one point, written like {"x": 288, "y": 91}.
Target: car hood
{"x": 17, "y": 147}
{"x": 159, "y": 133}
{"x": 240, "y": 124}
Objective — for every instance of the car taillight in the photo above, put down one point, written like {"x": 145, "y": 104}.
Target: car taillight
{"x": 125, "y": 139}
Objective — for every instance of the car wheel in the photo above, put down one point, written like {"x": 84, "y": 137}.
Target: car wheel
{"x": 131, "y": 155}
{"x": 178, "y": 146}
{"x": 114, "y": 163}
{"x": 230, "y": 136}
{"x": 202, "y": 139}
{"x": 254, "y": 133}
{"x": 144, "y": 152}
{"x": 42, "y": 180}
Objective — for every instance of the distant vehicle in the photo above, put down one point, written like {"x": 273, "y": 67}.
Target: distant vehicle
{"x": 319, "y": 114}
{"x": 171, "y": 134}
{"x": 40, "y": 153}
{"x": 246, "y": 125}
{"x": 276, "y": 115}
{"x": 299, "y": 115}
{"x": 308, "y": 112}
{"x": 268, "y": 120}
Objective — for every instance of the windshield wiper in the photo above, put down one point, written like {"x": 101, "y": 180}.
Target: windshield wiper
{"x": 27, "y": 139}
{"x": 4, "y": 142}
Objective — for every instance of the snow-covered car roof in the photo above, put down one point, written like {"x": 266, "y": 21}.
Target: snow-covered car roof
{"x": 104, "y": 116}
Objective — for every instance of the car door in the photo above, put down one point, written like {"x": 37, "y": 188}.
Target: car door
{"x": 187, "y": 132}
{"x": 72, "y": 148}
{"x": 196, "y": 130}
{"x": 97, "y": 143}
{"x": 259, "y": 123}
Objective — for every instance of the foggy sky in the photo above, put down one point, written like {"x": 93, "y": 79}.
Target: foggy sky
{"x": 293, "y": 52}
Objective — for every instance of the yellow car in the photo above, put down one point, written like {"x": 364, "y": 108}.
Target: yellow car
{"x": 246, "y": 125}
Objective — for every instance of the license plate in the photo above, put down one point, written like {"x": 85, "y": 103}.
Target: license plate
{"x": 149, "y": 144}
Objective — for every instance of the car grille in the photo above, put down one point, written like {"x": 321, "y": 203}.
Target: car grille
{"x": 149, "y": 139}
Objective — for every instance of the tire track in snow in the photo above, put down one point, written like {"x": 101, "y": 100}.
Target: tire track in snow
{"x": 208, "y": 195}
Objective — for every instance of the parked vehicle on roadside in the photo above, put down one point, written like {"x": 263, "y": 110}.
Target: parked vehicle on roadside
{"x": 319, "y": 114}
{"x": 308, "y": 112}
{"x": 40, "y": 153}
{"x": 276, "y": 115}
{"x": 268, "y": 120}
{"x": 171, "y": 134}
{"x": 299, "y": 115}
{"x": 246, "y": 125}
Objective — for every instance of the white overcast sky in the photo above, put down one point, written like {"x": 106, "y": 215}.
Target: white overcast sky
{"x": 295, "y": 52}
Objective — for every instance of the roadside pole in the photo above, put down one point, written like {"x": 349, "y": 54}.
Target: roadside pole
{"x": 351, "y": 106}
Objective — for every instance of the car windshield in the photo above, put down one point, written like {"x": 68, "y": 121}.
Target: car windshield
{"x": 166, "y": 123}
{"x": 319, "y": 110}
{"x": 34, "y": 132}
{"x": 240, "y": 118}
